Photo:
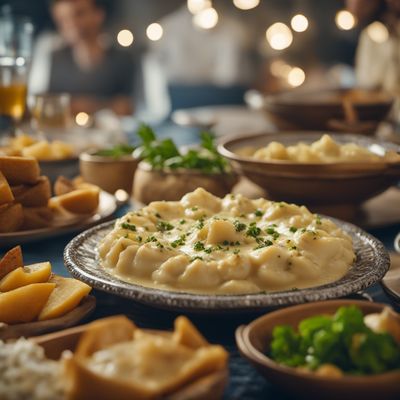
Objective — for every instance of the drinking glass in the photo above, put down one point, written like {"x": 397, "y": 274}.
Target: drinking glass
{"x": 15, "y": 55}
{"x": 51, "y": 113}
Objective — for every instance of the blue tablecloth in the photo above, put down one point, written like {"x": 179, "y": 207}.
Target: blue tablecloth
{"x": 245, "y": 383}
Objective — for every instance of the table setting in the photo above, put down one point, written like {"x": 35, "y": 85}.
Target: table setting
{"x": 228, "y": 252}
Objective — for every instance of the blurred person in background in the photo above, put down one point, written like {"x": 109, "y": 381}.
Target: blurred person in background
{"x": 193, "y": 66}
{"x": 378, "y": 57}
{"x": 80, "y": 62}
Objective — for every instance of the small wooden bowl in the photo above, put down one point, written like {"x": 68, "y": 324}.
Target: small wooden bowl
{"x": 170, "y": 185}
{"x": 253, "y": 342}
{"x": 109, "y": 173}
{"x": 209, "y": 387}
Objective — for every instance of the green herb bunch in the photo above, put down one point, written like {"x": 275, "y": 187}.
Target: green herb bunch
{"x": 162, "y": 154}
{"x": 117, "y": 151}
{"x": 342, "y": 340}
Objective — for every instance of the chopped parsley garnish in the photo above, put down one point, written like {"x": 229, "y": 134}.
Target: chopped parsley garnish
{"x": 178, "y": 242}
{"x": 200, "y": 224}
{"x": 293, "y": 229}
{"x": 253, "y": 231}
{"x": 151, "y": 239}
{"x": 157, "y": 215}
{"x": 270, "y": 230}
{"x": 236, "y": 251}
{"x": 318, "y": 220}
{"x": 239, "y": 226}
{"x": 199, "y": 246}
{"x": 275, "y": 235}
{"x": 163, "y": 226}
{"x": 194, "y": 208}
{"x": 139, "y": 238}
{"x": 131, "y": 227}
{"x": 262, "y": 244}
{"x": 182, "y": 222}
{"x": 258, "y": 213}
{"x": 196, "y": 258}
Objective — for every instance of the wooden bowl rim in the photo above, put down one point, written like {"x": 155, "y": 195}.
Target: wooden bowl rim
{"x": 246, "y": 346}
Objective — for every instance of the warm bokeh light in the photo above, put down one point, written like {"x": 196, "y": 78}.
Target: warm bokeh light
{"x": 280, "y": 69}
{"x": 206, "y": 19}
{"x": 296, "y": 77}
{"x": 279, "y": 36}
{"x": 82, "y": 119}
{"x": 345, "y": 20}
{"x": 299, "y": 23}
{"x": 154, "y": 31}
{"x": 195, "y": 6}
{"x": 246, "y": 4}
{"x": 378, "y": 32}
{"x": 125, "y": 38}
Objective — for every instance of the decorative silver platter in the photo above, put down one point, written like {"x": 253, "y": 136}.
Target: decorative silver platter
{"x": 80, "y": 257}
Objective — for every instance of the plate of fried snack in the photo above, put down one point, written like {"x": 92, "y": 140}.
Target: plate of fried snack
{"x": 31, "y": 210}
{"x": 34, "y": 300}
{"x": 113, "y": 358}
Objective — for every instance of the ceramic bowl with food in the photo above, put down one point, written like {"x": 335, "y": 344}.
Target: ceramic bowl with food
{"x": 188, "y": 367}
{"x": 317, "y": 110}
{"x": 168, "y": 172}
{"x": 151, "y": 185}
{"x": 254, "y": 342}
{"x": 108, "y": 172}
{"x": 326, "y": 185}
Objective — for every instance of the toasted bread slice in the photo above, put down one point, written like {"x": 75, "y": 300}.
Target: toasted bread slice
{"x": 36, "y": 195}
{"x": 11, "y": 217}
{"x": 19, "y": 170}
{"x": 6, "y": 195}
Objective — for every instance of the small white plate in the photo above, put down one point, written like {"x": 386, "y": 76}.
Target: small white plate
{"x": 107, "y": 207}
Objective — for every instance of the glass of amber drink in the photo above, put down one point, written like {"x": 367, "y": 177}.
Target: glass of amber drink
{"x": 15, "y": 53}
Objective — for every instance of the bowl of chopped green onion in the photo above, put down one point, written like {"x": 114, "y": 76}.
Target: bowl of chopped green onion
{"x": 340, "y": 349}
{"x": 110, "y": 169}
{"x": 167, "y": 172}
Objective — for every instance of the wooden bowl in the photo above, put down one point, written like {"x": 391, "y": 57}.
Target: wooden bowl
{"x": 315, "y": 110}
{"x": 209, "y": 387}
{"x": 170, "y": 185}
{"x": 328, "y": 186}
{"x": 253, "y": 342}
{"x": 109, "y": 173}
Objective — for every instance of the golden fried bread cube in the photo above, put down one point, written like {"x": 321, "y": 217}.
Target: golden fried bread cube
{"x": 6, "y": 195}
{"x": 37, "y": 217}
{"x": 19, "y": 170}
{"x": 11, "y": 217}
{"x": 35, "y": 195}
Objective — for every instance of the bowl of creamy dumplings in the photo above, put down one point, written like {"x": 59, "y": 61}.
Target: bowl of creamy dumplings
{"x": 328, "y": 171}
